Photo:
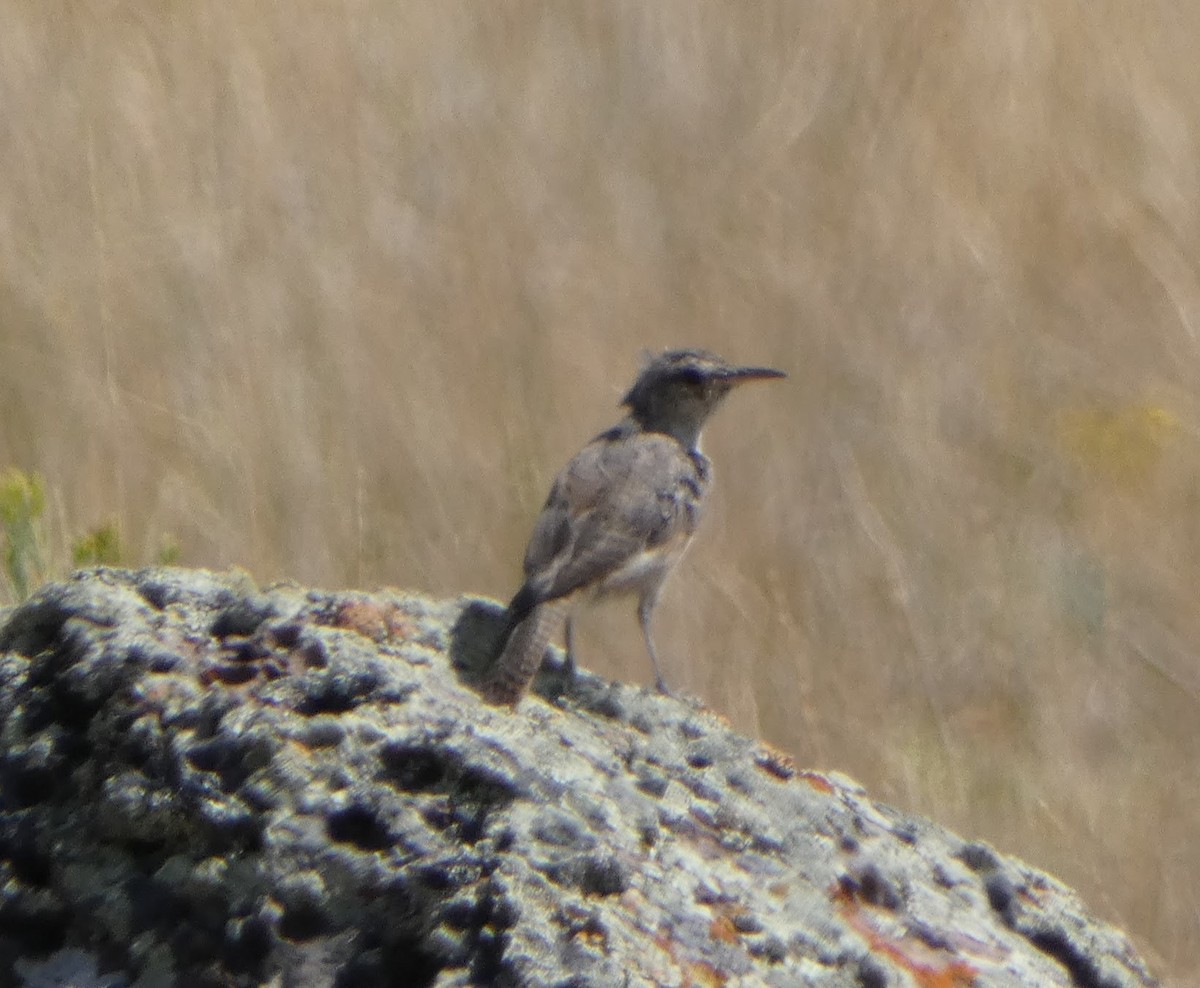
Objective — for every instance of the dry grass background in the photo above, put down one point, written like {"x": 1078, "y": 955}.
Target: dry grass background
{"x": 330, "y": 290}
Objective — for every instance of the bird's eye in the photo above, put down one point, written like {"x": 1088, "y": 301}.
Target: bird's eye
{"x": 691, "y": 377}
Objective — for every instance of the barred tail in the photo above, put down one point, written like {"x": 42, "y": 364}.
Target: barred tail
{"x": 509, "y": 677}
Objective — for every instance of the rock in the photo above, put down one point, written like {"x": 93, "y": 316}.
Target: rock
{"x": 203, "y": 783}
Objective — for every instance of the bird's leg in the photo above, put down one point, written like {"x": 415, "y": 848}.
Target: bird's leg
{"x": 645, "y": 608}
{"x": 569, "y": 663}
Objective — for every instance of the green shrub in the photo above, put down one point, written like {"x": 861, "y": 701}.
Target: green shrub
{"x": 23, "y": 537}
{"x": 22, "y": 504}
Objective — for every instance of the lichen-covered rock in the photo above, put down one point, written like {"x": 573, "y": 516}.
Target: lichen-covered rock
{"x": 202, "y": 783}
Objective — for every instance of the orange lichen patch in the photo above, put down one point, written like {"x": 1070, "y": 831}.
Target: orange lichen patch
{"x": 775, "y": 763}
{"x": 298, "y": 747}
{"x": 373, "y": 620}
{"x": 582, "y": 924}
{"x": 722, "y": 928}
{"x": 593, "y": 935}
{"x": 364, "y": 617}
{"x": 842, "y": 893}
{"x": 400, "y": 625}
{"x": 694, "y": 974}
{"x": 930, "y": 967}
{"x": 156, "y": 695}
{"x": 701, "y": 974}
{"x": 817, "y": 781}
{"x": 595, "y": 938}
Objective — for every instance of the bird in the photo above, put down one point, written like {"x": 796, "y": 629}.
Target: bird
{"x": 620, "y": 514}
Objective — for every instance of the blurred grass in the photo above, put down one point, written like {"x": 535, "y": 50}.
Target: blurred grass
{"x": 330, "y": 291}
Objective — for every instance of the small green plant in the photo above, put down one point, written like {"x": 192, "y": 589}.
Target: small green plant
{"x": 23, "y": 537}
{"x": 100, "y": 547}
{"x": 22, "y": 502}
{"x": 169, "y": 551}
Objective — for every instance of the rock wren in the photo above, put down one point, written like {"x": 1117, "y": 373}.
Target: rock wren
{"x": 621, "y": 513}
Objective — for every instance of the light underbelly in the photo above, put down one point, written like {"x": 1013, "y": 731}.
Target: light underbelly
{"x": 644, "y": 571}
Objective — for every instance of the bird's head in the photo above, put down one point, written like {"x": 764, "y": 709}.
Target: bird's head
{"x": 677, "y": 390}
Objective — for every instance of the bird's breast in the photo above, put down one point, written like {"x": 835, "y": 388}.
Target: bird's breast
{"x": 645, "y": 570}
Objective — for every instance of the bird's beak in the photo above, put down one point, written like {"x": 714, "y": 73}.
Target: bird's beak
{"x": 736, "y": 375}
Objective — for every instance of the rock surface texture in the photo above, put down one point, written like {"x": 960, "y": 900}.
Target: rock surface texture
{"x": 203, "y": 783}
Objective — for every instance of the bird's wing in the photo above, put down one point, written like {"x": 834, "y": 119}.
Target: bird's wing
{"x": 615, "y": 499}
